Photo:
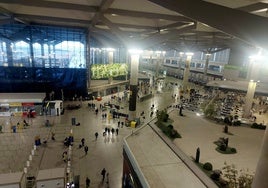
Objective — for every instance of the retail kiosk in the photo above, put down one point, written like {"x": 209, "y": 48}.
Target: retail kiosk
{"x": 54, "y": 108}
{"x": 51, "y": 178}
{"x": 21, "y": 104}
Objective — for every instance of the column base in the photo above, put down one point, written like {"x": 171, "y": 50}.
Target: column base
{"x": 131, "y": 115}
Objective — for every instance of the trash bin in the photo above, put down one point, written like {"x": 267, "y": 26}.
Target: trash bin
{"x": 133, "y": 124}
{"x": 73, "y": 121}
{"x": 14, "y": 128}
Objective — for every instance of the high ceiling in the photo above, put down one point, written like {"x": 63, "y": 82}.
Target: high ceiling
{"x": 151, "y": 24}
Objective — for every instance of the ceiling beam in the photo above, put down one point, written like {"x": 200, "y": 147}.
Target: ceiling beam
{"x": 10, "y": 15}
{"x": 52, "y": 4}
{"x": 105, "y": 4}
{"x": 253, "y": 7}
{"x": 173, "y": 25}
{"x": 135, "y": 26}
{"x": 50, "y": 18}
{"x": 247, "y": 27}
{"x": 147, "y": 15}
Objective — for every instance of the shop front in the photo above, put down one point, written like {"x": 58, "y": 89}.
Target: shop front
{"x": 21, "y": 104}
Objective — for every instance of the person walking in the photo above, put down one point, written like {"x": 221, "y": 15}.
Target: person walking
{"x": 53, "y": 136}
{"x": 87, "y": 182}
{"x": 116, "y": 130}
{"x": 86, "y": 150}
{"x": 96, "y": 135}
{"x": 103, "y": 173}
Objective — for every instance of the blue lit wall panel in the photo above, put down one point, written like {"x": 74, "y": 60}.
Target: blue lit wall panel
{"x": 25, "y": 79}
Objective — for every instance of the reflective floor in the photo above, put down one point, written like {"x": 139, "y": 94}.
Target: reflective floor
{"x": 106, "y": 151}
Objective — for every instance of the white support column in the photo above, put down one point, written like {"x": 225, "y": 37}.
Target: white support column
{"x": 249, "y": 97}
{"x": 253, "y": 76}
{"x": 186, "y": 73}
{"x": 179, "y": 63}
{"x": 134, "y": 70}
{"x": 206, "y": 66}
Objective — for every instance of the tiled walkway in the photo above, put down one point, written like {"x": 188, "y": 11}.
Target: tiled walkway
{"x": 106, "y": 152}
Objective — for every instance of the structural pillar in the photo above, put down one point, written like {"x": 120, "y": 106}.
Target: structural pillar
{"x": 111, "y": 61}
{"x": 159, "y": 86}
{"x": 249, "y": 97}
{"x": 253, "y": 79}
{"x": 157, "y": 66}
{"x": 186, "y": 72}
{"x": 179, "y": 64}
{"x": 134, "y": 68}
{"x": 206, "y": 66}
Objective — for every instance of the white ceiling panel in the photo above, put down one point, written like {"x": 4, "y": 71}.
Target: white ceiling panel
{"x": 144, "y": 17}
{"x": 80, "y": 2}
{"x": 142, "y": 6}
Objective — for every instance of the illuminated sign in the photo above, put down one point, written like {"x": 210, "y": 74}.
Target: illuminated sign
{"x": 99, "y": 71}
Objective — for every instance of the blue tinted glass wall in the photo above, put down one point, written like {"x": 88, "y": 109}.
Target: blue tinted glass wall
{"x": 38, "y": 58}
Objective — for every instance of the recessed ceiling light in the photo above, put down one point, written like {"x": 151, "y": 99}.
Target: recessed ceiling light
{"x": 114, "y": 14}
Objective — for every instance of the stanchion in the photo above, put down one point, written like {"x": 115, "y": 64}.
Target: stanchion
{"x": 27, "y": 163}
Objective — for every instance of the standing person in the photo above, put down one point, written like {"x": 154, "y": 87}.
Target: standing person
{"x": 82, "y": 141}
{"x": 96, "y": 135}
{"x": 86, "y": 150}
{"x": 64, "y": 156}
{"x": 87, "y": 182}
{"x": 103, "y": 173}
{"x": 116, "y": 130}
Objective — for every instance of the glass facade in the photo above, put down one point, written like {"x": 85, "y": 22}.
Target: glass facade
{"x": 37, "y": 58}
{"x": 42, "y": 46}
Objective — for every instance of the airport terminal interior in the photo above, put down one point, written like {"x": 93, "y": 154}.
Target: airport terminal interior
{"x": 133, "y": 94}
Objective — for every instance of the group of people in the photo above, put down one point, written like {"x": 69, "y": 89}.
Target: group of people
{"x": 68, "y": 141}
{"x": 82, "y": 145}
{"x": 107, "y": 131}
